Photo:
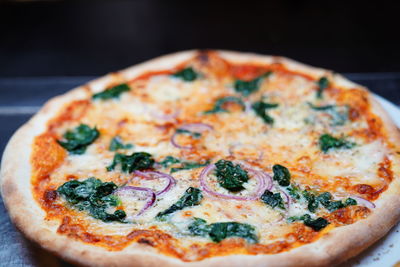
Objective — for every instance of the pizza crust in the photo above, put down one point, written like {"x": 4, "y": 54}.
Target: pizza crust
{"x": 334, "y": 247}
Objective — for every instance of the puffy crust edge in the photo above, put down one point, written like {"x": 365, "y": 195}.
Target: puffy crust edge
{"x": 334, "y": 247}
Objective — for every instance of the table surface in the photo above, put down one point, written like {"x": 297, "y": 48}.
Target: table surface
{"x": 20, "y": 98}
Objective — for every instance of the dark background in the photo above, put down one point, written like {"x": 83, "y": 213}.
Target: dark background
{"x": 49, "y": 47}
{"x": 94, "y": 37}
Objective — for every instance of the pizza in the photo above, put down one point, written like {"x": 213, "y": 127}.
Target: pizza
{"x": 210, "y": 158}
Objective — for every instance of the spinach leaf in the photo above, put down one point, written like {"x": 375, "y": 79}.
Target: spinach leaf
{"x": 93, "y": 196}
{"x": 131, "y": 163}
{"x": 187, "y": 132}
{"x": 199, "y": 227}
{"x": 220, "y": 231}
{"x": 188, "y": 165}
{"x": 187, "y": 74}
{"x": 168, "y": 161}
{"x": 191, "y": 197}
{"x": 113, "y": 92}
{"x": 326, "y": 200}
{"x": 218, "y": 106}
{"x": 281, "y": 175}
{"x": 184, "y": 165}
{"x": 339, "y": 114}
{"x": 317, "y": 224}
{"x": 273, "y": 200}
{"x": 260, "y": 108}
{"x": 230, "y": 176}
{"x": 323, "y": 83}
{"x": 313, "y": 204}
{"x": 77, "y": 140}
{"x": 246, "y": 88}
{"x": 350, "y": 202}
{"x": 116, "y": 144}
{"x": 328, "y": 142}
{"x": 294, "y": 191}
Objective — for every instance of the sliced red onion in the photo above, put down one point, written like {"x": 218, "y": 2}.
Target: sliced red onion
{"x": 256, "y": 195}
{"x": 269, "y": 184}
{"x": 363, "y": 202}
{"x": 149, "y": 175}
{"x": 175, "y": 144}
{"x": 231, "y": 149}
{"x": 193, "y": 127}
{"x": 197, "y": 127}
{"x": 151, "y": 196}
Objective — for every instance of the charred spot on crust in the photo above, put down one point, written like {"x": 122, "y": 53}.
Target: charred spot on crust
{"x": 146, "y": 241}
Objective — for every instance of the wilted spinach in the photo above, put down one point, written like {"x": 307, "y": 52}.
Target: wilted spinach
{"x": 191, "y": 197}
{"x": 77, "y": 140}
{"x": 131, "y": 163}
{"x": 113, "y": 92}
{"x": 94, "y": 196}
{"x": 230, "y": 176}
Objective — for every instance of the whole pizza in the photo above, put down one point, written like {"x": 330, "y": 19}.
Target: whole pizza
{"x": 206, "y": 158}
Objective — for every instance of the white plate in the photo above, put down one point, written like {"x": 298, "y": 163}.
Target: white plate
{"x": 385, "y": 252}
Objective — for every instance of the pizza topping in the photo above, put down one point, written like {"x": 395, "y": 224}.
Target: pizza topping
{"x": 131, "y": 163}
{"x": 338, "y": 114}
{"x": 187, "y": 74}
{"x": 149, "y": 175}
{"x": 191, "y": 197}
{"x": 363, "y": 202}
{"x": 326, "y": 200}
{"x": 77, "y": 140}
{"x": 235, "y": 180}
{"x": 113, "y": 92}
{"x": 323, "y": 83}
{"x": 168, "y": 161}
{"x": 260, "y": 108}
{"x": 94, "y": 196}
{"x": 246, "y": 88}
{"x": 316, "y": 224}
{"x": 192, "y": 129}
{"x": 328, "y": 142}
{"x": 150, "y": 196}
{"x": 116, "y": 144}
{"x": 220, "y": 104}
{"x": 230, "y": 176}
{"x": 220, "y": 231}
{"x": 188, "y": 165}
{"x": 281, "y": 175}
{"x": 273, "y": 199}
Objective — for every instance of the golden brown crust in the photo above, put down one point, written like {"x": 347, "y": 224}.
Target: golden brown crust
{"x": 30, "y": 218}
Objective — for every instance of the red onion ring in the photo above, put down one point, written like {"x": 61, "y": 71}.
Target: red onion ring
{"x": 149, "y": 175}
{"x": 269, "y": 184}
{"x": 363, "y": 202}
{"x": 231, "y": 148}
{"x": 193, "y": 127}
{"x": 150, "y": 200}
{"x": 197, "y": 127}
{"x": 259, "y": 176}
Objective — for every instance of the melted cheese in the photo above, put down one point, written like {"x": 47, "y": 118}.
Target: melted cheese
{"x": 149, "y": 114}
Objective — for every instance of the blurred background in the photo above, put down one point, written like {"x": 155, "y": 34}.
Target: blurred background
{"x": 49, "y": 47}
{"x": 70, "y": 38}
